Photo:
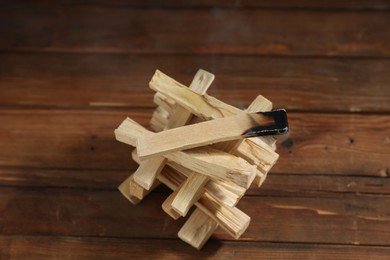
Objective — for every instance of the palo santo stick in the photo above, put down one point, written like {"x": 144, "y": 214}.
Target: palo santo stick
{"x": 197, "y": 229}
{"x": 216, "y": 164}
{"x": 258, "y": 153}
{"x": 225, "y": 192}
{"x": 199, "y": 85}
{"x": 128, "y": 132}
{"x": 213, "y": 163}
{"x": 134, "y": 156}
{"x": 203, "y": 106}
{"x": 214, "y": 131}
{"x": 231, "y": 219}
{"x": 124, "y": 188}
{"x": 192, "y": 188}
{"x": 167, "y": 205}
{"x": 164, "y": 102}
{"x": 138, "y": 191}
{"x": 133, "y": 192}
{"x": 189, "y": 193}
{"x": 148, "y": 170}
{"x": 159, "y": 120}
{"x": 259, "y": 104}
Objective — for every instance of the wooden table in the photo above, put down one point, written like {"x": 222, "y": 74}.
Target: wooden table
{"x": 71, "y": 71}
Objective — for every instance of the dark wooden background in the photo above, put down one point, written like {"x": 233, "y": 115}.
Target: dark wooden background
{"x": 71, "y": 71}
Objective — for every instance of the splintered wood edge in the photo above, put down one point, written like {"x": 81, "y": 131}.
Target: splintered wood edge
{"x": 259, "y": 153}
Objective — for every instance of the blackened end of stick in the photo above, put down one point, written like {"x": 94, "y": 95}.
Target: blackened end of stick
{"x": 279, "y": 127}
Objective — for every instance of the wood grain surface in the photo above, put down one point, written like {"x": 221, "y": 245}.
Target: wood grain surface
{"x": 71, "y": 71}
{"x": 75, "y": 28}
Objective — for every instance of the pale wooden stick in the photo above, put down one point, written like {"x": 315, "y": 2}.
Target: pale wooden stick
{"x": 199, "y": 85}
{"x": 213, "y": 163}
{"x": 197, "y": 229}
{"x": 167, "y": 205}
{"x": 138, "y": 191}
{"x": 189, "y": 193}
{"x": 146, "y": 173}
{"x": 216, "y": 164}
{"x": 205, "y": 133}
{"x": 226, "y": 192}
{"x": 128, "y": 132}
{"x": 134, "y": 156}
{"x": 192, "y": 188}
{"x": 124, "y": 188}
{"x": 259, "y": 104}
{"x": 164, "y": 102}
{"x": 231, "y": 219}
{"x": 159, "y": 120}
{"x": 133, "y": 192}
{"x": 203, "y": 106}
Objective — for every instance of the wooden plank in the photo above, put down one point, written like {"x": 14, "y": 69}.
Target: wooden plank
{"x": 72, "y": 28}
{"x": 355, "y": 144}
{"x": 341, "y": 220}
{"x": 47, "y": 247}
{"x": 316, "y": 84}
{"x": 374, "y": 5}
{"x": 276, "y": 184}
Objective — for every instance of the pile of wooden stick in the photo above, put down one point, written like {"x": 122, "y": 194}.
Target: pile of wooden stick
{"x": 201, "y": 167}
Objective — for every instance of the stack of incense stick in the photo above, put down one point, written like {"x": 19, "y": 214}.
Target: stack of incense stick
{"x": 200, "y": 149}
